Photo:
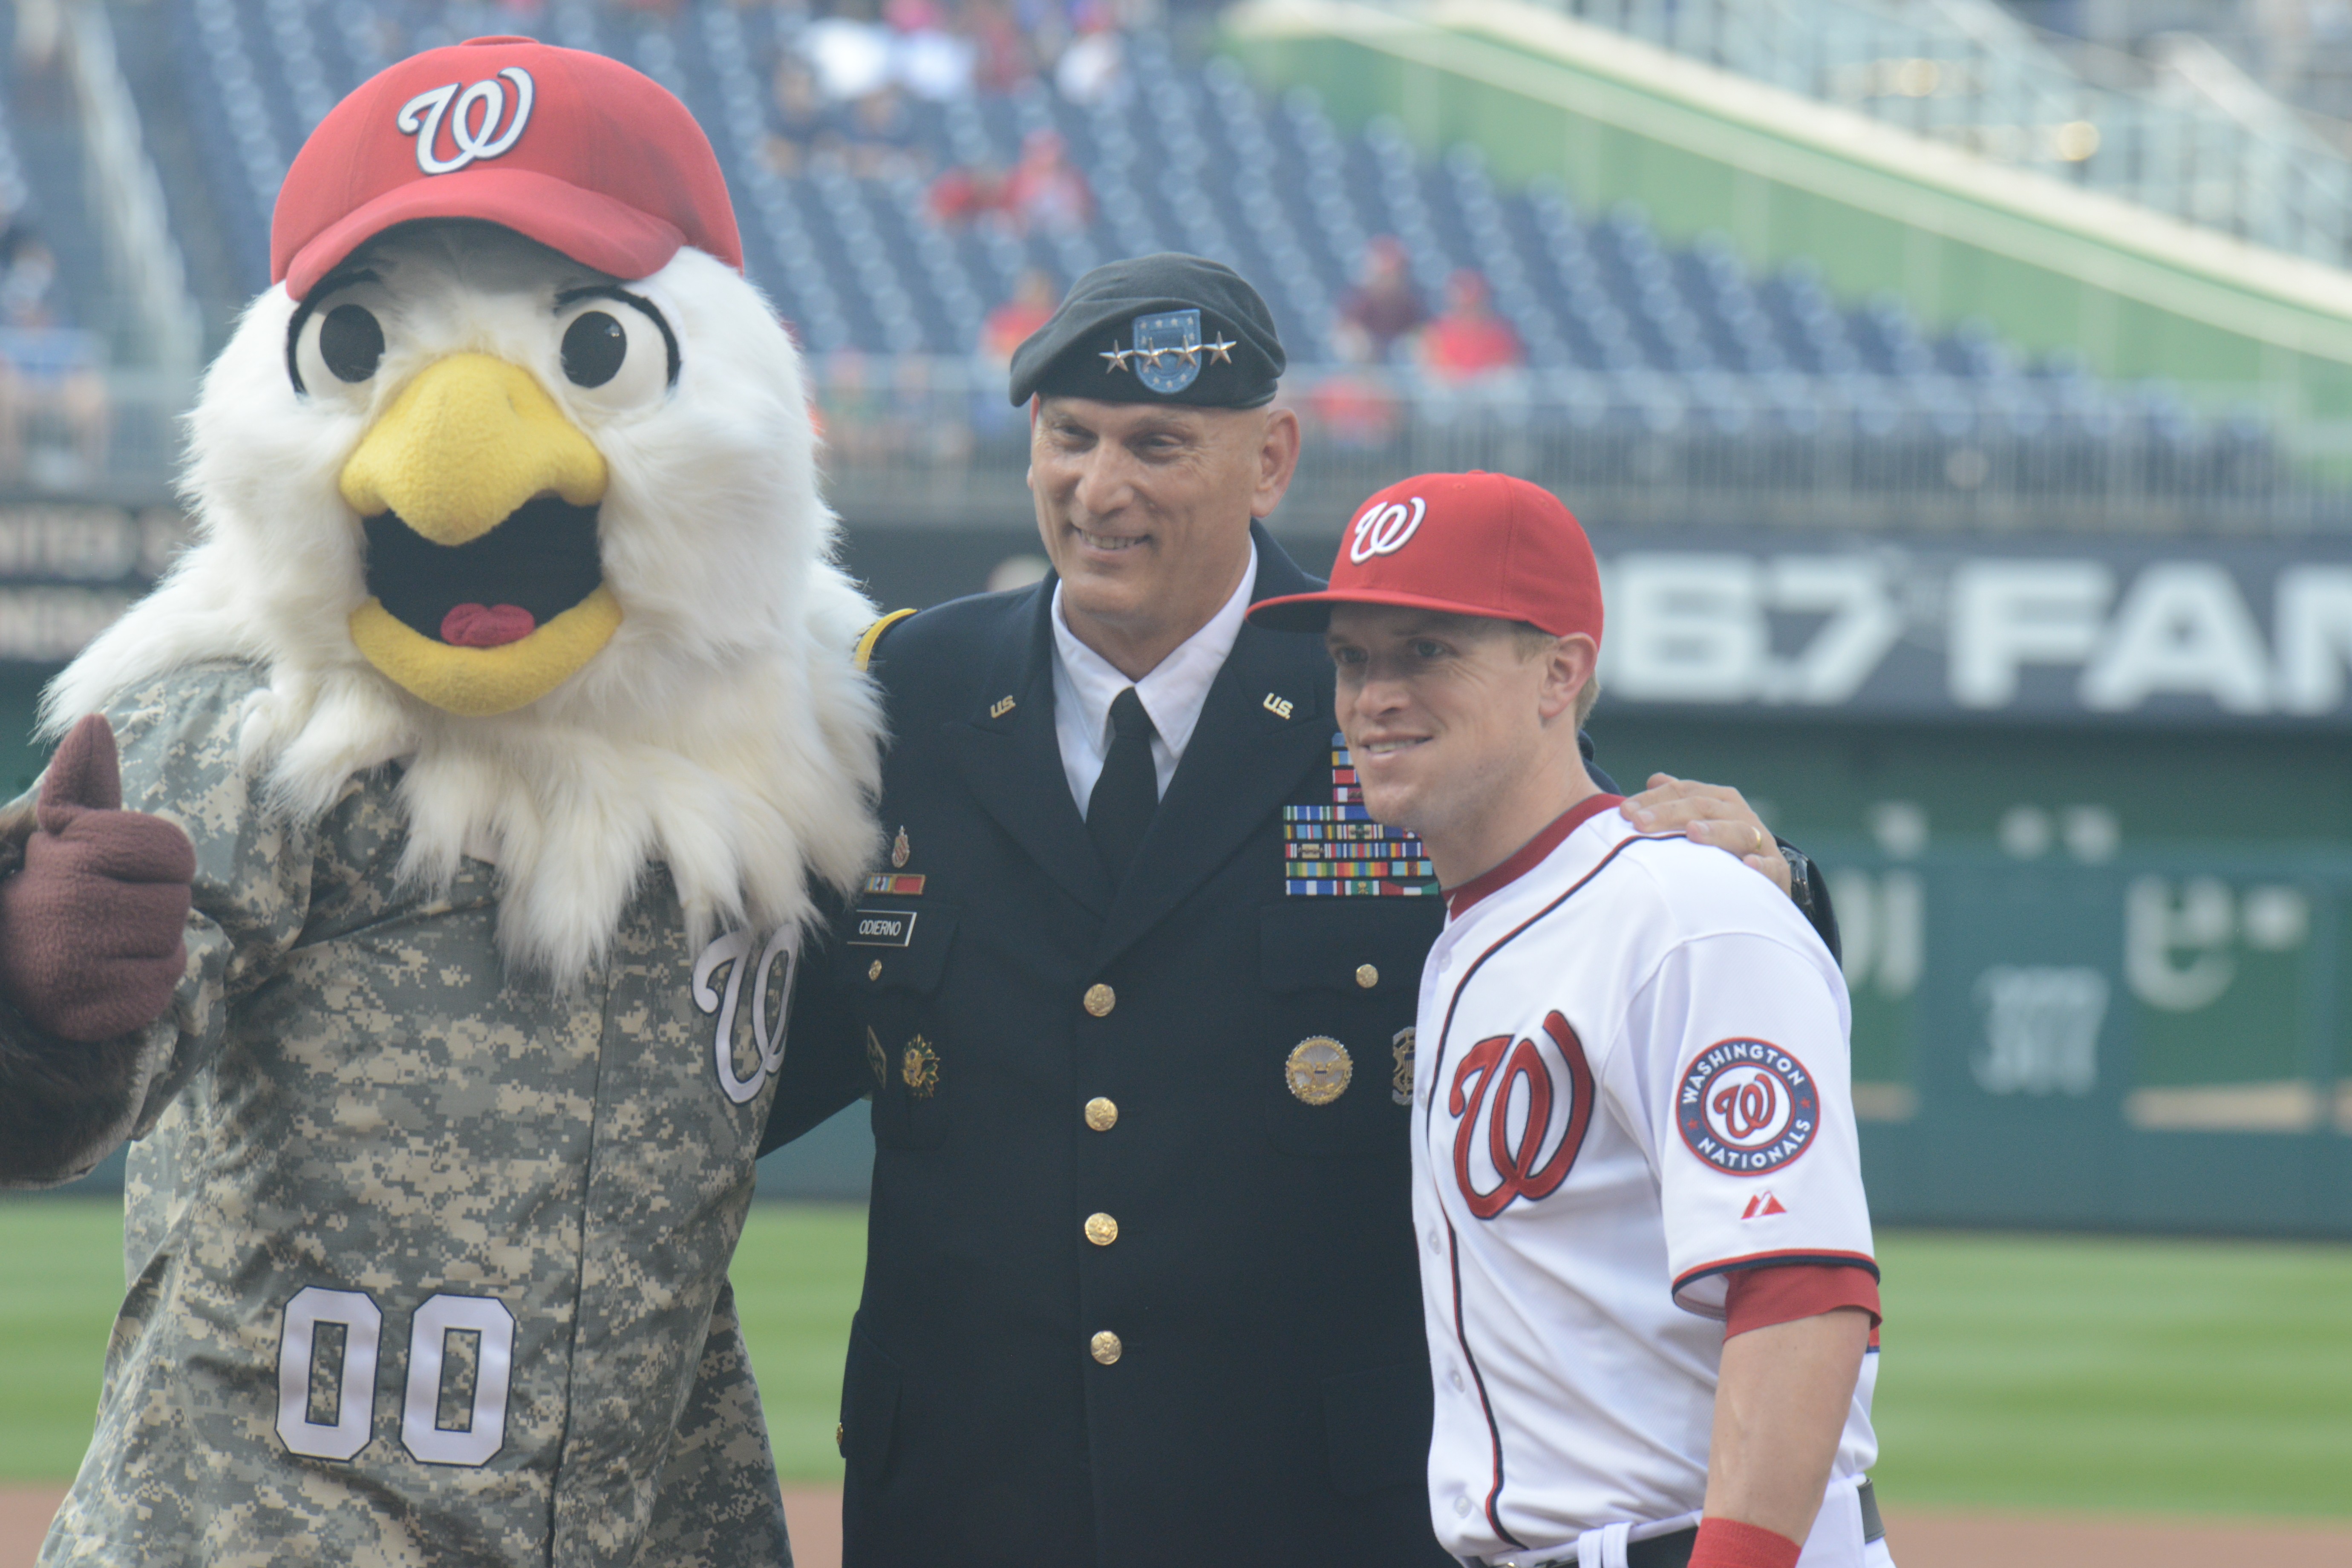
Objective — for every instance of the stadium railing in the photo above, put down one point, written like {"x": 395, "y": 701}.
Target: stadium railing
{"x": 918, "y": 440}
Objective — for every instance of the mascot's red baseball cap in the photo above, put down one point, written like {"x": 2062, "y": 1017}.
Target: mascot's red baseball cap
{"x": 1468, "y": 545}
{"x": 571, "y": 149}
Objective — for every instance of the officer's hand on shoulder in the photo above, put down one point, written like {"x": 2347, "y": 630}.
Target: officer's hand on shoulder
{"x": 1715, "y": 815}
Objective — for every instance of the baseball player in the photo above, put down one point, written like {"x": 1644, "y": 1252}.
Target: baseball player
{"x": 1645, "y": 1253}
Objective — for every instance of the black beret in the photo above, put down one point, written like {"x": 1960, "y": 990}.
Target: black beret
{"x": 1155, "y": 329}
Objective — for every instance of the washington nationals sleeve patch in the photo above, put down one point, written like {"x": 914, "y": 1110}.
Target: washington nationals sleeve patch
{"x": 1747, "y": 1107}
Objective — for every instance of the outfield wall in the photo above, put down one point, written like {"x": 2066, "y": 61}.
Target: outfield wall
{"x": 2100, "y": 950}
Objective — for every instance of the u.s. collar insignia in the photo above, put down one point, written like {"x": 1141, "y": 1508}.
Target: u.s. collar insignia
{"x": 1318, "y": 1069}
{"x": 1167, "y": 350}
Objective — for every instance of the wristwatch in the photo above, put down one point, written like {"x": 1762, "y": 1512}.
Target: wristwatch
{"x": 1800, "y": 876}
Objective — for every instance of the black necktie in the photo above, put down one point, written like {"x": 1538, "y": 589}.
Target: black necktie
{"x": 1127, "y": 792}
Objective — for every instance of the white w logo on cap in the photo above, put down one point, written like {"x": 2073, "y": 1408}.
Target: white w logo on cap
{"x": 1383, "y": 530}
{"x": 421, "y": 117}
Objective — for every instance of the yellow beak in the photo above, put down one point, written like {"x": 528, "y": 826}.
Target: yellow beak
{"x": 465, "y": 446}
{"x": 466, "y": 443}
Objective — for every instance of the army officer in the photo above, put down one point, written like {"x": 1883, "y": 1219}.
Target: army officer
{"x": 1134, "y": 1001}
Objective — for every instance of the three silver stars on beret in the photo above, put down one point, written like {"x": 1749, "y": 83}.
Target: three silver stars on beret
{"x": 1116, "y": 359}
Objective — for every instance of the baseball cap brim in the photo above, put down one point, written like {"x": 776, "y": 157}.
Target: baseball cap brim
{"x": 590, "y": 227}
{"x": 1312, "y": 611}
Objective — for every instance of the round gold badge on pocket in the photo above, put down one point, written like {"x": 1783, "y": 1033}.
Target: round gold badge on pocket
{"x": 1318, "y": 1069}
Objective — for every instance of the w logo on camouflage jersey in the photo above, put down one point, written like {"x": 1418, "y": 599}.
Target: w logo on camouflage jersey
{"x": 772, "y": 993}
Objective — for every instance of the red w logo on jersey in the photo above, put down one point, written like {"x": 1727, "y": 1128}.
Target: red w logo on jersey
{"x": 1497, "y": 1066}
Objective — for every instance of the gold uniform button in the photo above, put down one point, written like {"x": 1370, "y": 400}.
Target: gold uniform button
{"x": 1101, "y": 1229}
{"x": 873, "y": 970}
{"x": 1367, "y": 976}
{"x": 1101, "y": 999}
{"x": 1105, "y": 1347}
{"x": 1102, "y": 1115}
{"x": 840, "y": 1435}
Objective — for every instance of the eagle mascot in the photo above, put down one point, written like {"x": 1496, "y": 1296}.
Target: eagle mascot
{"x": 431, "y": 937}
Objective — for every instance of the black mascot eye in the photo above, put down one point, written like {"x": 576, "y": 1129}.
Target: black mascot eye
{"x": 351, "y": 342}
{"x": 593, "y": 348}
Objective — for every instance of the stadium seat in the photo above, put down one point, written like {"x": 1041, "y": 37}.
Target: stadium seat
{"x": 1616, "y": 327}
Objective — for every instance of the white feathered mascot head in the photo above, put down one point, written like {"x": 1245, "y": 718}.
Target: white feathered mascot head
{"x": 510, "y": 477}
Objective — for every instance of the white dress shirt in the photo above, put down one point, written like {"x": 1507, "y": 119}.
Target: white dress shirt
{"x": 1085, "y": 683}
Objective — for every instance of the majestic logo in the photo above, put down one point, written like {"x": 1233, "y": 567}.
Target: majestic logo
{"x": 771, "y": 994}
{"x": 1550, "y": 1121}
{"x": 473, "y": 123}
{"x": 1747, "y": 1107}
{"x": 1383, "y": 530}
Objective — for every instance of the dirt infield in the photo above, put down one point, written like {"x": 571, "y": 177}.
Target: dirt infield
{"x": 1924, "y": 1540}
{"x": 1919, "y": 1539}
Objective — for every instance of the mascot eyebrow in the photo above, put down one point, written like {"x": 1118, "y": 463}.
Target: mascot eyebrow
{"x": 612, "y": 291}
{"x": 346, "y": 277}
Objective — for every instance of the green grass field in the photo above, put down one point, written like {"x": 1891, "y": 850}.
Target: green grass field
{"x": 2067, "y": 1372}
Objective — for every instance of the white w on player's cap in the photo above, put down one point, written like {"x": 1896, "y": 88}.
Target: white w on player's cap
{"x": 1466, "y": 545}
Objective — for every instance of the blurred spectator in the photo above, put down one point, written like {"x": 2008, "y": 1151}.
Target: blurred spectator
{"x": 882, "y": 136}
{"x": 40, "y": 28}
{"x": 798, "y": 124}
{"x": 1467, "y": 340}
{"x": 930, "y": 60}
{"x": 1383, "y": 307}
{"x": 851, "y": 57}
{"x": 1092, "y": 69}
{"x": 51, "y": 376}
{"x": 1012, "y": 323}
{"x": 28, "y": 270}
{"x": 914, "y": 16}
{"x": 960, "y": 194}
{"x": 1355, "y": 409}
{"x": 1046, "y": 190}
{"x": 1003, "y": 58}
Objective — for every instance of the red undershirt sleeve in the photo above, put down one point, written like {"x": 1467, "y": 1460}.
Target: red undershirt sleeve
{"x": 1758, "y": 1297}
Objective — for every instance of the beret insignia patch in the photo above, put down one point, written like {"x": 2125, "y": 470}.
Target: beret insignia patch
{"x": 1167, "y": 350}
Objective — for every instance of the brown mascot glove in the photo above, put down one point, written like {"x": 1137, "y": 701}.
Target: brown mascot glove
{"x": 92, "y": 930}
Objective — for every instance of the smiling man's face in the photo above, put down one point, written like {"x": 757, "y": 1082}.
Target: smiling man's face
{"x": 1145, "y": 511}
{"x": 1450, "y": 719}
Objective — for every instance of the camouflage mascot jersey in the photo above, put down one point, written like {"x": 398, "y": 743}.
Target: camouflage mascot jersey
{"x": 506, "y": 705}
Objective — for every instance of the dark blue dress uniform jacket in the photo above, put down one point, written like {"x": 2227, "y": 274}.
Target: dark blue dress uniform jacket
{"x": 1270, "y": 1401}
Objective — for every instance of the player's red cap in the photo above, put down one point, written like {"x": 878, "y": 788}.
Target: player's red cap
{"x": 1469, "y": 544}
{"x": 571, "y": 149}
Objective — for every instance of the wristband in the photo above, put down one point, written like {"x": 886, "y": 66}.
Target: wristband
{"x": 1730, "y": 1543}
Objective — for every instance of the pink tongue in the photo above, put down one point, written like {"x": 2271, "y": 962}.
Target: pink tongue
{"x": 487, "y": 626}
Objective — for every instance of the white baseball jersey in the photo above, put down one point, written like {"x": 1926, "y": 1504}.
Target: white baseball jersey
{"x": 1633, "y": 1079}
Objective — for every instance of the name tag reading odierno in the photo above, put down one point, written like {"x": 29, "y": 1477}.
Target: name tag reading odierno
{"x": 883, "y": 928}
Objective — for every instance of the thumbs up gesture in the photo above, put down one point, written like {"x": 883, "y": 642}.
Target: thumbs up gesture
{"x": 91, "y": 940}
